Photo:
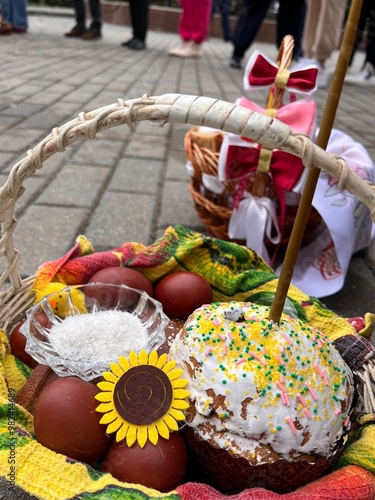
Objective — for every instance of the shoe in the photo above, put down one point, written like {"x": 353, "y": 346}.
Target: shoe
{"x": 136, "y": 45}
{"x": 128, "y": 42}
{"x": 187, "y": 49}
{"x": 5, "y": 28}
{"x": 365, "y": 77}
{"x": 235, "y": 62}
{"x": 180, "y": 49}
{"x": 92, "y": 34}
{"x": 18, "y": 29}
{"x": 76, "y": 32}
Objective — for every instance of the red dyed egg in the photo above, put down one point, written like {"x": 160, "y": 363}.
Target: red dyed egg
{"x": 66, "y": 422}
{"x": 17, "y": 343}
{"x": 161, "y": 467}
{"x": 182, "y": 292}
{"x": 123, "y": 276}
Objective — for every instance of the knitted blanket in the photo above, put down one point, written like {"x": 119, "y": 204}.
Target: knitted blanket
{"x": 235, "y": 273}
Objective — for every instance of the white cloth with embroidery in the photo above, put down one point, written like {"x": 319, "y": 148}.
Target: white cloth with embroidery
{"x": 322, "y": 266}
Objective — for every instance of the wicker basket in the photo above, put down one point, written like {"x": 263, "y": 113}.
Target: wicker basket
{"x": 174, "y": 108}
{"x": 15, "y": 296}
{"x": 215, "y": 210}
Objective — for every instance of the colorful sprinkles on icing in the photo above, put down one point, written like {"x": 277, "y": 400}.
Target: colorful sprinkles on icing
{"x": 290, "y": 369}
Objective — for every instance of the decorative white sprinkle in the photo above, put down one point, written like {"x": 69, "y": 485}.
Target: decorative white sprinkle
{"x": 102, "y": 336}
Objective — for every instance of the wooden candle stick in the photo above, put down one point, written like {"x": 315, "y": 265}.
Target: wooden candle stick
{"x": 328, "y": 118}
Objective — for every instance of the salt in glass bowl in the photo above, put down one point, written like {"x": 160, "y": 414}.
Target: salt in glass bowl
{"x": 97, "y": 297}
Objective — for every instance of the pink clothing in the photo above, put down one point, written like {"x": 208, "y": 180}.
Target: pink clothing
{"x": 195, "y": 20}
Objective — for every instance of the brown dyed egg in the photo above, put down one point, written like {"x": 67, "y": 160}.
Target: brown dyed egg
{"x": 17, "y": 343}
{"x": 161, "y": 467}
{"x": 65, "y": 420}
{"x": 123, "y": 276}
{"x": 182, "y": 292}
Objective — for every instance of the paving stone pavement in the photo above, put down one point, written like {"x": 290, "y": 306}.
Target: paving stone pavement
{"x": 126, "y": 186}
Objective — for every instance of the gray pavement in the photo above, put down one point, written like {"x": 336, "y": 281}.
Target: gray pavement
{"x": 127, "y": 186}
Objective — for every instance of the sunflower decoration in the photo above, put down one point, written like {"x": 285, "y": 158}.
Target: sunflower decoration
{"x": 142, "y": 397}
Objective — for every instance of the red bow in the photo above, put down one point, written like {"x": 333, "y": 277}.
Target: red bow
{"x": 285, "y": 168}
{"x": 261, "y": 72}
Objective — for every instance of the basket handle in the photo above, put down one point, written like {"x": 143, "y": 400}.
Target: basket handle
{"x": 174, "y": 108}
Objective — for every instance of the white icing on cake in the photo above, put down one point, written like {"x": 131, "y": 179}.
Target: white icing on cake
{"x": 258, "y": 385}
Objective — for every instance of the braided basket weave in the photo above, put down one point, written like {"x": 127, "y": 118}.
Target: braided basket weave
{"x": 174, "y": 108}
{"x": 15, "y": 296}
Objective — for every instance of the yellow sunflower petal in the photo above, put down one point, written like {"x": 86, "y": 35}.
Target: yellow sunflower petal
{"x": 106, "y": 386}
{"x": 180, "y": 393}
{"x": 121, "y": 433}
{"x": 153, "y": 434}
{"x": 142, "y": 435}
{"x": 109, "y": 417}
{"x": 180, "y": 383}
{"x": 143, "y": 357}
{"x": 153, "y": 358}
{"x": 114, "y": 426}
{"x": 171, "y": 422}
{"x": 116, "y": 369}
{"x": 124, "y": 363}
{"x": 161, "y": 361}
{"x": 169, "y": 366}
{"x": 131, "y": 435}
{"x": 180, "y": 404}
{"x": 104, "y": 397}
{"x": 174, "y": 374}
{"x": 109, "y": 376}
{"x": 104, "y": 407}
{"x": 133, "y": 358}
{"x": 176, "y": 414}
{"x": 163, "y": 429}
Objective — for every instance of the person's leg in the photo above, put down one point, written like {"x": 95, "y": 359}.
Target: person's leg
{"x": 80, "y": 28}
{"x": 94, "y": 32}
{"x": 6, "y": 10}
{"x": 312, "y": 18}
{"x": 195, "y": 20}
{"x": 291, "y": 21}
{"x": 328, "y": 29}
{"x": 366, "y": 5}
{"x": 366, "y": 76}
{"x": 139, "y": 17}
{"x": 248, "y": 23}
{"x": 370, "y": 47}
{"x": 225, "y": 24}
{"x": 80, "y": 11}
{"x": 96, "y": 14}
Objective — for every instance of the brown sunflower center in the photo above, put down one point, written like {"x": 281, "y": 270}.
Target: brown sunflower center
{"x": 143, "y": 395}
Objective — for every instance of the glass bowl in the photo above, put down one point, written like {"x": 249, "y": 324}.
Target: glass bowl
{"x": 80, "y": 330}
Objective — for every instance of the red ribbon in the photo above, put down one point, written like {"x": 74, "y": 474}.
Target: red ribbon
{"x": 285, "y": 168}
{"x": 261, "y": 72}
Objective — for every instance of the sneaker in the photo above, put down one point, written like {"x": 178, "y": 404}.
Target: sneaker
{"x": 92, "y": 34}
{"x": 76, "y": 32}
{"x": 235, "y": 62}
{"x": 180, "y": 49}
{"x": 364, "y": 77}
{"x": 136, "y": 44}
{"x": 19, "y": 29}
{"x": 5, "y": 28}
{"x": 128, "y": 42}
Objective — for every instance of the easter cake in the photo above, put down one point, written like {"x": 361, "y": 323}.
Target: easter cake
{"x": 269, "y": 403}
